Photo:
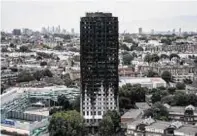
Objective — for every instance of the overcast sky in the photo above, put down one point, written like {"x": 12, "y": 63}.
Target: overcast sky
{"x": 157, "y": 15}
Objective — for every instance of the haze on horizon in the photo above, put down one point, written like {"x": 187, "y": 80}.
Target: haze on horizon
{"x": 157, "y": 15}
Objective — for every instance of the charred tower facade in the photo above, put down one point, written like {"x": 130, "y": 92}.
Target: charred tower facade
{"x": 99, "y": 65}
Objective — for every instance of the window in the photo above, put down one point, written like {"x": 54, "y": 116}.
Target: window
{"x": 87, "y": 112}
{"x": 99, "y": 112}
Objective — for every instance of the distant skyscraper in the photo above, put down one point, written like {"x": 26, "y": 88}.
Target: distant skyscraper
{"x": 140, "y": 30}
{"x": 173, "y": 31}
{"x": 152, "y": 31}
{"x": 179, "y": 31}
{"x": 16, "y": 32}
{"x": 72, "y": 30}
{"x": 99, "y": 65}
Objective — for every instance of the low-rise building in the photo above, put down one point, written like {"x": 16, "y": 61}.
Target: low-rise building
{"x": 145, "y": 82}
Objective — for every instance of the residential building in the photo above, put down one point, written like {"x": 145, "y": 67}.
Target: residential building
{"x": 140, "y": 30}
{"x": 151, "y": 127}
{"x": 16, "y": 32}
{"x": 99, "y": 65}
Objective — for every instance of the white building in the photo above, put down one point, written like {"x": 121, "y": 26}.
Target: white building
{"x": 144, "y": 81}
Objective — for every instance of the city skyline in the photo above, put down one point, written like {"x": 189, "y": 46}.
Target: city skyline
{"x": 35, "y": 15}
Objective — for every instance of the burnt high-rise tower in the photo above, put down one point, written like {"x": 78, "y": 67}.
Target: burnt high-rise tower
{"x": 99, "y": 65}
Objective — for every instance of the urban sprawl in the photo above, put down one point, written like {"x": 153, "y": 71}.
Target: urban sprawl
{"x": 100, "y": 82}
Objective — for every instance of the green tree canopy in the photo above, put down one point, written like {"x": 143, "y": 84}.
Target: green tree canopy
{"x": 180, "y": 86}
{"x": 157, "y": 111}
{"x": 164, "y": 56}
{"x": 127, "y": 58}
{"x": 67, "y": 123}
{"x": 43, "y": 63}
{"x": 24, "y": 76}
{"x": 110, "y": 123}
{"x": 173, "y": 55}
{"x": 166, "y": 76}
{"x": 24, "y": 49}
{"x": 151, "y": 73}
{"x": 132, "y": 93}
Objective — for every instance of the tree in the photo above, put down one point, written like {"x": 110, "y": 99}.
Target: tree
{"x": 164, "y": 56}
{"x": 38, "y": 75}
{"x": 58, "y": 47}
{"x": 181, "y": 99}
{"x": 132, "y": 94}
{"x": 24, "y": 77}
{"x": 127, "y": 59}
{"x": 43, "y": 63}
{"x": 12, "y": 45}
{"x": 156, "y": 97}
{"x": 151, "y": 73}
{"x": 157, "y": 111}
{"x": 4, "y": 49}
{"x": 76, "y": 104}
{"x": 154, "y": 58}
{"x": 63, "y": 101}
{"x": 173, "y": 55}
{"x": 66, "y": 79}
{"x": 67, "y": 123}
{"x": 169, "y": 99}
{"x": 138, "y": 48}
{"x": 115, "y": 116}
{"x": 124, "y": 47}
{"x": 180, "y": 86}
{"x": 24, "y": 49}
{"x": 166, "y": 76}
{"x": 148, "y": 58}
{"x": 171, "y": 90}
{"x": 14, "y": 69}
{"x": 187, "y": 81}
{"x": 48, "y": 73}
{"x": 110, "y": 123}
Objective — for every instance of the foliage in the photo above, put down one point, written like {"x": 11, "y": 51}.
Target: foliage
{"x": 4, "y": 49}
{"x": 171, "y": 90}
{"x": 44, "y": 55}
{"x": 124, "y": 47}
{"x": 166, "y": 41}
{"x": 66, "y": 79}
{"x": 106, "y": 126}
{"x": 67, "y": 123}
{"x": 169, "y": 99}
{"x": 157, "y": 111}
{"x": 48, "y": 73}
{"x": 132, "y": 94}
{"x": 24, "y": 49}
{"x": 24, "y": 77}
{"x": 64, "y": 102}
{"x": 164, "y": 56}
{"x": 127, "y": 59}
{"x": 110, "y": 123}
{"x": 151, "y": 73}
{"x": 154, "y": 58}
{"x": 128, "y": 39}
{"x": 180, "y": 86}
{"x": 166, "y": 76}
{"x": 173, "y": 55}
{"x": 58, "y": 47}
{"x": 43, "y": 63}
{"x": 38, "y": 75}
{"x": 158, "y": 94}
{"x": 187, "y": 81}
{"x": 148, "y": 58}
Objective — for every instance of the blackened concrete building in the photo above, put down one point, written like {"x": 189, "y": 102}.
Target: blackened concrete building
{"x": 99, "y": 65}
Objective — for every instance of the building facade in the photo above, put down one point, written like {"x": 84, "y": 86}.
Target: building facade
{"x": 99, "y": 65}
